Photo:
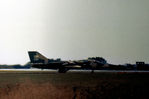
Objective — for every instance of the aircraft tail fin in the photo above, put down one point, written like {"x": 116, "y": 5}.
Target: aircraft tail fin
{"x": 36, "y": 57}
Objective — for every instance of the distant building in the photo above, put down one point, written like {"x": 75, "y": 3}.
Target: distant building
{"x": 140, "y": 63}
{"x": 142, "y": 66}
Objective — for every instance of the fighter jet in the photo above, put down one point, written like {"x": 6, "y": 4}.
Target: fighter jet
{"x": 39, "y": 61}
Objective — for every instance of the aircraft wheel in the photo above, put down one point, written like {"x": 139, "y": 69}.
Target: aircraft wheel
{"x": 62, "y": 70}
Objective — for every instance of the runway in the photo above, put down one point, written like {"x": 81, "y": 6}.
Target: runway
{"x": 73, "y": 71}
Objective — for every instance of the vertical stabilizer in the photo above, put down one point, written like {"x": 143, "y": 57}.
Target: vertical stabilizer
{"x": 36, "y": 57}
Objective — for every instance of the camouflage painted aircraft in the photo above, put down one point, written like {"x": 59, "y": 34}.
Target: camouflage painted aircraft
{"x": 39, "y": 61}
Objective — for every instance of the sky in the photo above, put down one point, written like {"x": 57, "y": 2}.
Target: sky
{"x": 117, "y": 30}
